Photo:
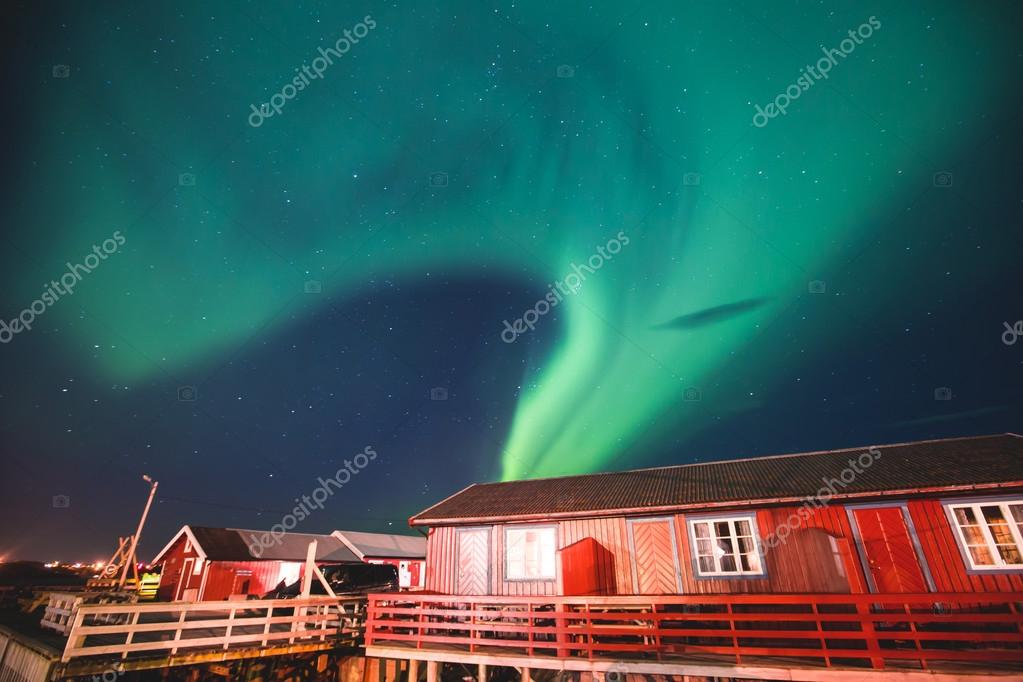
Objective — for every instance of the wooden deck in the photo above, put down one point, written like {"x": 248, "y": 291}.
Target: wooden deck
{"x": 777, "y": 637}
{"x": 126, "y": 637}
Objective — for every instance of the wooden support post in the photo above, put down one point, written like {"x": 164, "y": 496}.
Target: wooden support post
{"x": 413, "y": 670}
{"x": 867, "y": 624}
{"x": 432, "y": 671}
{"x": 230, "y": 626}
{"x": 177, "y": 632}
{"x": 525, "y": 674}
{"x": 481, "y": 675}
{"x": 561, "y": 624}
{"x": 266, "y": 626}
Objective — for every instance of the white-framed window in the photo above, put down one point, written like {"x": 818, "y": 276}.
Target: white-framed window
{"x": 530, "y": 552}
{"x": 990, "y": 533}
{"x": 725, "y": 546}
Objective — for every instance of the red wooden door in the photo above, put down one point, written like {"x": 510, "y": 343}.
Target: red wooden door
{"x": 890, "y": 553}
{"x": 473, "y": 561}
{"x": 653, "y": 557}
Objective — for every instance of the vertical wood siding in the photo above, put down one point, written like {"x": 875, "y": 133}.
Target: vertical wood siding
{"x": 949, "y": 571}
{"x": 793, "y": 566}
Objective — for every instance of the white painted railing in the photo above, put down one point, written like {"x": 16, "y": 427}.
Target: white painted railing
{"x": 166, "y": 628}
{"x": 61, "y": 607}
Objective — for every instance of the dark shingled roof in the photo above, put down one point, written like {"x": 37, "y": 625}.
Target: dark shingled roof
{"x": 905, "y": 466}
{"x": 232, "y": 544}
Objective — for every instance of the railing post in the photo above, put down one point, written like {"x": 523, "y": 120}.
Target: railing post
{"x": 731, "y": 626}
{"x": 266, "y": 625}
{"x": 472, "y": 627}
{"x": 870, "y": 635}
{"x": 230, "y": 625}
{"x": 74, "y": 640}
{"x": 657, "y": 629}
{"x": 820, "y": 629}
{"x": 419, "y": 626}
{"x": 134, "y": 620}
{"x": 561, "y": 623}
{"x": 529, "y": 629}
{"x": 916, "y": 637}
{"x": 177, "y": 631}
{"x": 589, "y": 632}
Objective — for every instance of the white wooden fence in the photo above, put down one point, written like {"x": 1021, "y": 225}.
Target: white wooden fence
{"x": 61, "y": 607}
{"x": 166, "y": 628}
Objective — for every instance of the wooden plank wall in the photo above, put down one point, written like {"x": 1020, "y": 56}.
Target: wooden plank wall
{"x": 442, "y": 557}
{"x": 948, "y": 569}
{"x": 793, "y": 566}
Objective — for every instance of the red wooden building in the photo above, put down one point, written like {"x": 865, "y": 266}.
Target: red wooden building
{"x": 937, "y": 523}
{"x": 407, "y": 553}
{"x": 212, "y": 564}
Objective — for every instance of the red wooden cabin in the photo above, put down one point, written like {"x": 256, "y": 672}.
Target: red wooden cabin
{"x": 407, "y": 553}
{"x": 213, "y": 564}
{"x": 939, "y": 523}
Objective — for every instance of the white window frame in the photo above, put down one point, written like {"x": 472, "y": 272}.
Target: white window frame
{"x": 507, "y": 557}
{"x": 731, "y": 520}
{"x": 989, "y": 540}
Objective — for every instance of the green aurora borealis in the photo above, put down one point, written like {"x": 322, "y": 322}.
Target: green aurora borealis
{"x": 542, "y": 170}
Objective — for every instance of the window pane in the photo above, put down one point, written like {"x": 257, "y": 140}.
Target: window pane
{"x": 1017, "y": 512}
{"x": 721, "y": 529}
{"x": 1010, "y": 554}
{"x": 742, "y": 527}
{"x": 751, "y": 563}
{"x": 993, "y": 514}
{"x": 965, "y": 515}
{"x": 702, "y": 530}
{"x": 1001, "y": 533}
{"x": 704, "y": 548}
{"x": 728, "y": 564}
{"x": 974, "y": 535}
{"x": 706, "y": 564}
{"x": 530, "y": 553}
{"x": 981, "y": 556}
{"x": 726, "y": 545}
{"x": 746, "y": 545}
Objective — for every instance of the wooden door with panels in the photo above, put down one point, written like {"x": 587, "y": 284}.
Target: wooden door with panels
{"x": 889, "y": 550}
{"x": 655, "y": 565}
{"x": 473, "y": 563}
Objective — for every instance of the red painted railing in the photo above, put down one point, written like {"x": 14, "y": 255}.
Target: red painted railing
{"x": 820, "y": 629}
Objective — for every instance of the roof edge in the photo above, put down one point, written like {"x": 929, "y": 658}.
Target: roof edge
{"x": 734, "y": 504}
{"x": 185, "y": 530}
{"x": 412, "y": 519}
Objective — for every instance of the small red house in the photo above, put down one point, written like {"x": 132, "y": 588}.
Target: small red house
{"x": 407, "y": 553}
{"x": 213, "y": 564}
{"x": 786, "y": 556}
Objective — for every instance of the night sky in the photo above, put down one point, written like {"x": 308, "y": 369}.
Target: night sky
{"x": 270, "y": 295}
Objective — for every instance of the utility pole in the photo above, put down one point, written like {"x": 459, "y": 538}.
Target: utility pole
{"x": 131, "y": 558}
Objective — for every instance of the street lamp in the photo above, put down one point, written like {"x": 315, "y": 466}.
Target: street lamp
{"x": 130, "y": 558}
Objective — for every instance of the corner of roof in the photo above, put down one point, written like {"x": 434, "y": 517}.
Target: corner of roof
{"x": 416, "y": 519}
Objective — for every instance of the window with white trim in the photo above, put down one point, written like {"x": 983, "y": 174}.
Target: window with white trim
{"x": 530, "y": 552}
{"x": 725, "y": 546}
{"x": 990, "y": 533}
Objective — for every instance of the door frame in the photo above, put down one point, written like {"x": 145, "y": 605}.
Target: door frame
{"x": 187, "y": 566}
{"x": 672, "y": 530}
{"x": 489, "y": 530}
{"x": 907, "y": 518}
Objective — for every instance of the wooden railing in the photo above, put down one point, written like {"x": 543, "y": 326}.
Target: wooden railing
{"x": 125, "y": 630}
{"x": 818, "y": 629}
{"x": 61, "y": 607}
